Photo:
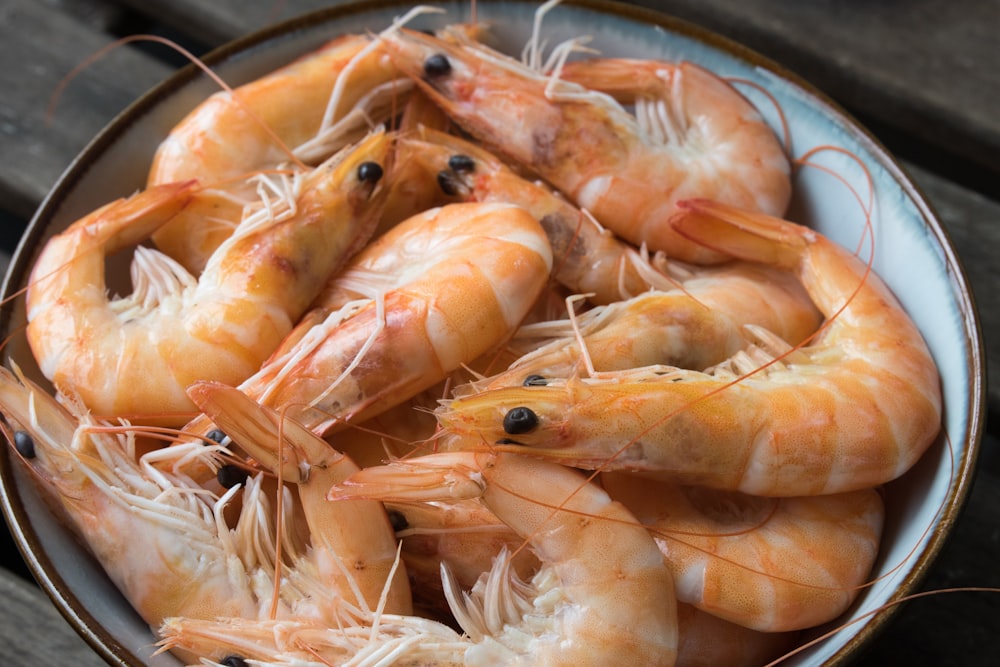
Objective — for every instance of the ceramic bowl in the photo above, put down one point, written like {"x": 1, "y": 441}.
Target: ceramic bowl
{"x": 911, "y": 252}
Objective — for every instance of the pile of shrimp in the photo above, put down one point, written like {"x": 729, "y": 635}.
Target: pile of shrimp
{"x": 437, "y": 356}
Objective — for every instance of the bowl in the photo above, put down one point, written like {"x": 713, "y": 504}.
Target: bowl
{"x": 911, "y": 252}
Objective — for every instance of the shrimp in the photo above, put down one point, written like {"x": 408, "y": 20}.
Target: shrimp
{"x": 352, "y": 544}
{"x": 435, "y": 292}
{"x": 387, "y": 639}
{"x": 772, "y": 565}
{"x": 693, "y": 135}
{"x": 165, "y": 542}
{"x": 854, "y": 409}
{"x": 697, "y": 326}
{"x": 602, "y": 592}
{"x": 137, "y": 354}
{"x": 588, "y": 258}
{"x": 304, "y": 111}
{"x": 153, "y": 534}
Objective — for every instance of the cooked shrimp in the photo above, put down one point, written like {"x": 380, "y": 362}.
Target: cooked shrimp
{"x": 694, "y": 135}
{"x": 165, "y": 542}
{"x": 695, "y": 327}
{"x": 771, "y": 564}
{"x": 153, "y": 535}
{"x": 386, "y": 639}
{"x": 352, "y": 544}
{"x": 854, "y": 409}
{"x": 137, "y": 354}
{"x": 304, "y": 111}
{"x": 437, "y": 292}
{"x": 588, "y": 258}
{"x": 602, "y": 593}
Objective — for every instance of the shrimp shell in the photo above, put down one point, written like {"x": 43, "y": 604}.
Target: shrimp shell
{"x": 598, "y": 154}
{"x": 136, "y": 355}
{"x": 770, "y": 564}
{"x": 855, "y": 409}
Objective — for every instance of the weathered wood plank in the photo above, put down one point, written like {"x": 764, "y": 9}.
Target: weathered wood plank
{"x": 32, "y": 631}
{"x": 39, "y": 47}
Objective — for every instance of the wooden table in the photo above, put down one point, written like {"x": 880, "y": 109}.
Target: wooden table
{"x": 923, "y": 75}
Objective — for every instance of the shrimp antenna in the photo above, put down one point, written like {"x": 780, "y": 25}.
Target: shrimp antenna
{"x": 786, "y": 132}
{"x": 867, "y": 203}
{"x": 533, "y": 49}
{"x": 581, "y": 342}
{"x": 413, "y": 13}
{"x": 341, "y": 82}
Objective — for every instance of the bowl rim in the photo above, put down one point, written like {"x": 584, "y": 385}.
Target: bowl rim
{"x": 114, "y": 653}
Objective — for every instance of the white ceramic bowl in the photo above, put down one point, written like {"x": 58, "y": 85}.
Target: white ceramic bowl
{"x": 912, "y": 253}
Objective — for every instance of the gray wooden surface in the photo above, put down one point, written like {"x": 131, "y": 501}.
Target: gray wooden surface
{"x": 35, "y": 633}
{"x": 923, "y": 75}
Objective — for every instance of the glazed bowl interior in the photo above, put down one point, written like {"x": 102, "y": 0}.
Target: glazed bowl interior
{"x": 836, "y": 191}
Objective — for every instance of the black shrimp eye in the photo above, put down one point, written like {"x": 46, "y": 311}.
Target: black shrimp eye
{"x": 230, "y": 475}
{"x": 519, "y": 420}
{"x": 24, "y": 444}
{"x": 534, "y": 381}
{"x": 437, "y": 65}
{"x": 448, "y": 183}
{"x": 398, "y": 521}
{"x": 461, "y": 163}
{"x": 369, "y": 172}
{"x": 216, "y": 435}
{"x": 233, "y": 661}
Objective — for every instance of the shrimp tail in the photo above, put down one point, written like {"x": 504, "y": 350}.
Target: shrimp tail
{"x": 116, "y": 225}
{"x": 136, "y": 217}
{"x": 742, "y": 234}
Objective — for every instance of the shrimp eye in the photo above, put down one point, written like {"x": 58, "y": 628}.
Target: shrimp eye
{"x": 233, "y": 661}
{"x": 448, "y": 183}
{"x": 216, "y": 435}
{"x": 230, "y": 475}
{"x": 461, "y": 163}
{"x": 534, "y": 381}
{"x": 437, "y": 65}
{"x": 24, "y": 444}
{"x": 519, "y": 420}
{"x": 369, "y": 172}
